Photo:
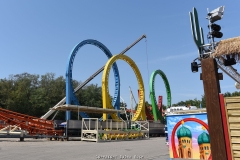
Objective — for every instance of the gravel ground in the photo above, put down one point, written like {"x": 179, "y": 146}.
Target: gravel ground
{"x": 42, "y": 149}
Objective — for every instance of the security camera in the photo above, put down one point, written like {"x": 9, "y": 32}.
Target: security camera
{"x": 216, "y": 14}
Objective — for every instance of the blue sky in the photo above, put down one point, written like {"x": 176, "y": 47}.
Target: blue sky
{"x": 38, "y": 36}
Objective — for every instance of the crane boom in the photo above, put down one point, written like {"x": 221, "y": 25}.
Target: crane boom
{"x": 132, "y": 95}
{"x": 52, "y": 110}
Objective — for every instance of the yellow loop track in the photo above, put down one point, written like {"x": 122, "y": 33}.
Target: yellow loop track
{"x": 140, "y": 112}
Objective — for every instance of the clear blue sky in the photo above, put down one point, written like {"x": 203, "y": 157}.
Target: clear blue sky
{"x": 38, "y": 36}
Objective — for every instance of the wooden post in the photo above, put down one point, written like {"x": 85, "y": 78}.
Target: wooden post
{"x": 211, "y": 91}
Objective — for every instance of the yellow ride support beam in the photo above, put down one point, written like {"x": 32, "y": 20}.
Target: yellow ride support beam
{"x": 140, "y": 112}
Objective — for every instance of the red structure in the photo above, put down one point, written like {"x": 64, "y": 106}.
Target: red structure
{"x": 148, "y": 114}
{"x": 159, "y": 103}
{"x": 225, "y": 126}
{"x": 31, "y": 124}
{"x": 129, "y": 110}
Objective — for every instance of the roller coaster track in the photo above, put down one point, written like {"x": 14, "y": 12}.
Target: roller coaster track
{"x": 40, "y": 126}
{"x": 33, "y": 125}
{"x": 70, "y": 95}
{"x": 140, "y": 112}
{"x": 158, "y": 114}
{"x": 88, "y": 80}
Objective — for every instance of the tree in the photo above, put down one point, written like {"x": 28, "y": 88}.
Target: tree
{"x": 164, "y": 107}
{"x": 203, "y": 102}
{"x": 234, "y": 94}
{"x": 190, "y": 102}
{"x": 6, "y": 91}
{"x": 181, "y": 103}
{"x": 24, "y": 85}
{"x": 50, "y": 91}
{"x": 91, "y": 95}
{"x": 34, "y": 94}
{"x": 227, "y": 94}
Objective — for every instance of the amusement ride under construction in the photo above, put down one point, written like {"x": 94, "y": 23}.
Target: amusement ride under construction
{"x": 110, "y": 126}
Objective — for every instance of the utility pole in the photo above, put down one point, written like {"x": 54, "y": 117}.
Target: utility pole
{"x": 210, "y": 77}
{"x": 211, "y": 91}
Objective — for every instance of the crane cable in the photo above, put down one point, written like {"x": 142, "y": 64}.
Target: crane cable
{"x": 147, "y": 62}
{"x": 147, "y": 57}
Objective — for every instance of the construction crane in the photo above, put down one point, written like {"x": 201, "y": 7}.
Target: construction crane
{"x": 52, "y": 110}
{"x": 124, "y": 108}
{"x": 132, "y": 98}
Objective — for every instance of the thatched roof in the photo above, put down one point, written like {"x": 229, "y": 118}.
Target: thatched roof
{"x": 229, "y": 46}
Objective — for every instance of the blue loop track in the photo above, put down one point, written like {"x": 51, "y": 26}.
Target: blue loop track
{"x": 70, "y": 95}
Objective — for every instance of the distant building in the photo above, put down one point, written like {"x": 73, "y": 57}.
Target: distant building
{"x": 184, "y": 142}
{"x": 179, "y": 108}
{"x": 204, "y": 145}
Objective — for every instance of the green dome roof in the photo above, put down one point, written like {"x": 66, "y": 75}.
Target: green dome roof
{"x": 184, "y": 132}
{"x": 203, "y": 138}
